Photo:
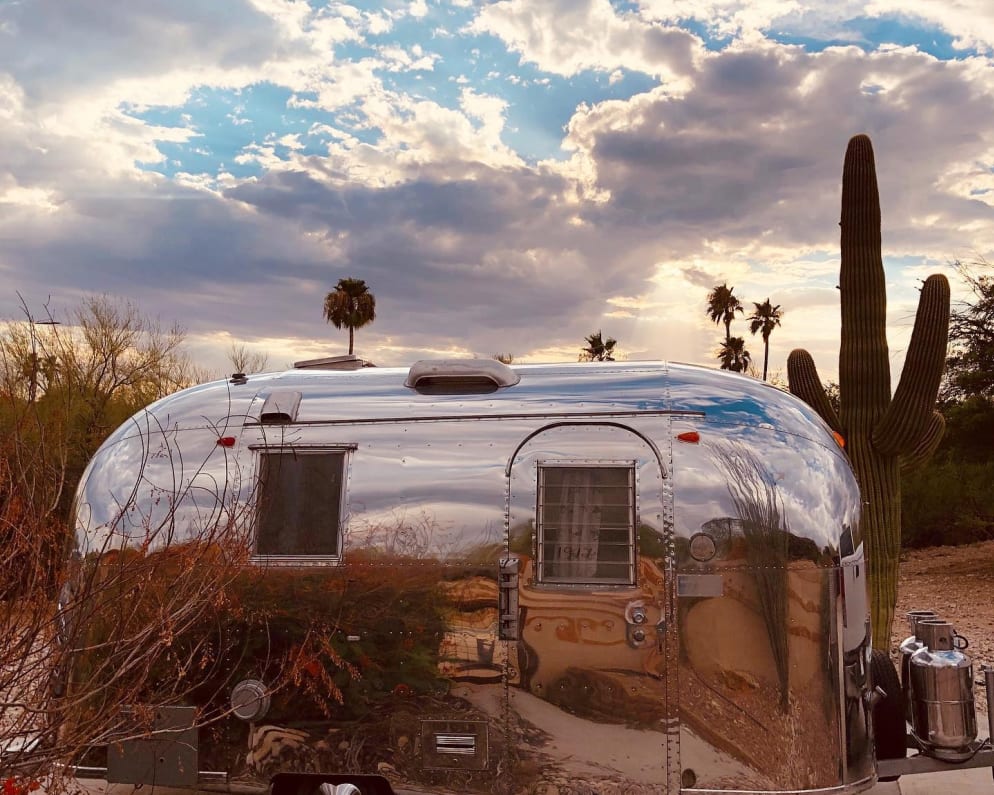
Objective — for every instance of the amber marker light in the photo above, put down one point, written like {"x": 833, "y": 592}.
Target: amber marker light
{"x": 839, "y": 439}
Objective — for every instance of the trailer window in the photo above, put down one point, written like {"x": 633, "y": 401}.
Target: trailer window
{"x": 300, "y": 503}
{"x": 586, "y": 524}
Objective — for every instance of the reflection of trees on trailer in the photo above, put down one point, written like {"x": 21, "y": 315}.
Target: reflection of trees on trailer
{"x": 678, "y": 599}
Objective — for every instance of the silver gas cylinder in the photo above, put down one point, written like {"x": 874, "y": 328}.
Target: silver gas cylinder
{"x": 943, "y": 714}
{"x": 909, "y": 646}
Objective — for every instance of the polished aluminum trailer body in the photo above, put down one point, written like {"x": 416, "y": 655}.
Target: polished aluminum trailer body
{"x": 647, "y": 577}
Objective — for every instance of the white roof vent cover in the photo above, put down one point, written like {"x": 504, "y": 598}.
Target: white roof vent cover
{"x": 280, "y": 408}
{"x": 454, "y": 376}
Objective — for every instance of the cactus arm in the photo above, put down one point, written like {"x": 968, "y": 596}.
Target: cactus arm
{"x": 926, "y": 445}
{"x": 910, "y": 412}
{"x": 802, "y": 378}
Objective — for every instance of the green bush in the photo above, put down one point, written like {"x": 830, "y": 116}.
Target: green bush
{"x": 948, "y": 502}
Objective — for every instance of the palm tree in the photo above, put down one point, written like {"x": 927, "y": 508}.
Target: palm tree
{"x": 350, "y": 304}
{"x": 598, "y": 349}
{"x": 734, "y": 356}
{"x": 722, "y": 306}
{"x": 764, "y": 319}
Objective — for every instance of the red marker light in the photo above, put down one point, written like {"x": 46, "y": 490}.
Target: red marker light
{"x": 693, "y": 437}
{"x": 839, "y": 439}
{"x": 227, "y": 441}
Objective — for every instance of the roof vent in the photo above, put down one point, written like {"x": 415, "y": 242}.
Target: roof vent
{"x": 460, "y": 376}
{"x": 280, "y": 408}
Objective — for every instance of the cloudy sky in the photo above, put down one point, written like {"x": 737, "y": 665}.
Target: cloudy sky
{"x": 506, "y": 176}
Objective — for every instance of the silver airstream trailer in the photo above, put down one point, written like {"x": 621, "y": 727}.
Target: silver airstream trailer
{"x": 467, "y": 577}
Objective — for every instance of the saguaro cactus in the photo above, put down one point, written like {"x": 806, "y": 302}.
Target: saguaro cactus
{"x": 882, "y": 434}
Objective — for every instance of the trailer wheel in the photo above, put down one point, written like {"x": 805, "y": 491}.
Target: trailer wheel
{"x": 889, "y": 726}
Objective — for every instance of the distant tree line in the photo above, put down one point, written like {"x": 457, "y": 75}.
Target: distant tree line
{"x": 950, "y": 501}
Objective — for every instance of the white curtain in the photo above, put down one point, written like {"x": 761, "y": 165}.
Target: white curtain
{"x": 575, "y": 554}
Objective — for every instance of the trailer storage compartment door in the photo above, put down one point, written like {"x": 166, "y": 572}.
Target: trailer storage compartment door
{"x": 585, "y": 602}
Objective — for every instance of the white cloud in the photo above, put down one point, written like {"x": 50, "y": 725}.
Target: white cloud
{"x": 377, "y": 24}
{"x": 337, "y": 85}
{"x": 415, "y": 134}
{"x": 567, "y": 37}
{"x": 291, "y": 141}
{"x": 35, "y": 198}
{"x": 486, "y": 108}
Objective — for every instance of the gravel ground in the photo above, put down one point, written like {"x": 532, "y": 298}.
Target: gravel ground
{"x": 958, "y": 584}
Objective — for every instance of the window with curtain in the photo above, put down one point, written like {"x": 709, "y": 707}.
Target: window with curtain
{"x": 300, "y": 502}
{"x": 586, "y": 524}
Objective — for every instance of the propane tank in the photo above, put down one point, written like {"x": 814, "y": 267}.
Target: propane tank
{"x": 943, "y": 717}
{"x": 908, "y": 647}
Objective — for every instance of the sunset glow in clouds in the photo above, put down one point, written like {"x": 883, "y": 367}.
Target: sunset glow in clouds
{"x": 506, "y": 177}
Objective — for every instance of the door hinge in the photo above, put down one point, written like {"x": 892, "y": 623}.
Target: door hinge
{"x": 507, "y": 598}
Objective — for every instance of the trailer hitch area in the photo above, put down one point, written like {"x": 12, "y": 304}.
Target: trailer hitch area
{"x": 328, "y": 784}
{"x": 873, "y": 697}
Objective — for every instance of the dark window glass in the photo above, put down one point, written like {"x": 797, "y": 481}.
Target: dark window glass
{"x": 846, "y": 546}
{"x": 586, "y": 524}
{"x": 300, "y": 498}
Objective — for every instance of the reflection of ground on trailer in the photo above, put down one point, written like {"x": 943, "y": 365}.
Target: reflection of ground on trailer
{"x": 728, "y": 678}
{"x": 730, "y": 687}
{"x": 468, "y": 651}
{"x": 584, "y": 755}
{"x": 563, "y": 630}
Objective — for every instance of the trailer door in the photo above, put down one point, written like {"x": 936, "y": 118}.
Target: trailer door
{"x": 586, "y": 602}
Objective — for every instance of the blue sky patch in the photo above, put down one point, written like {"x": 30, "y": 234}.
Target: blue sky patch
{"x": 869, "y": 33}
{"x": 706, "y": 33}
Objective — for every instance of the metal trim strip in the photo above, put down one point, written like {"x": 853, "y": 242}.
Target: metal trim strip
{"x": 575, "y": 415}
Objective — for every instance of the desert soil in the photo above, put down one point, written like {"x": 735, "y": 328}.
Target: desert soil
{"x": 958, "y": 584}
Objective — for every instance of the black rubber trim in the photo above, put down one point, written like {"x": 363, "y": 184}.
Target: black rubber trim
{"x": 889, "y": 725}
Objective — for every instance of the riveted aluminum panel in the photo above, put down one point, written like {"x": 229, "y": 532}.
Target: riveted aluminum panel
{"x": 637, "y": 687}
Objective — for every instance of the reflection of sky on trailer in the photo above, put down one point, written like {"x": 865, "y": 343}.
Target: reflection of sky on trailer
{"x": 809, "y": 488}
